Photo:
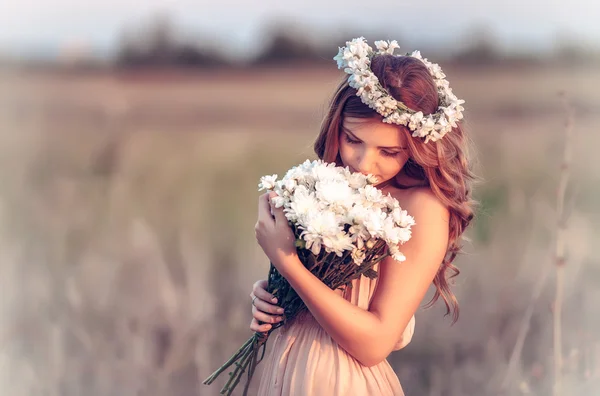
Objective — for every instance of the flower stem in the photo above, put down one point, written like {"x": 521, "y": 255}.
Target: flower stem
{"x": 231, "y": 360}
{"x": 238, "y": 372}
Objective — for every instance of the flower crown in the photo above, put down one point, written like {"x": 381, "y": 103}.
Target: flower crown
{"x": 355, "y": 59}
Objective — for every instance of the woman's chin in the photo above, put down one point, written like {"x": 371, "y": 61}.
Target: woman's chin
{"x": 382, "y": 182}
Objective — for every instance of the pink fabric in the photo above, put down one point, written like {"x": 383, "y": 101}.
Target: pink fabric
{"x": 305, "y": 361}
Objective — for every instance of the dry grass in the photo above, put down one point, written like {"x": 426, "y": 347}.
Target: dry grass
{"x": 127, "y": 201}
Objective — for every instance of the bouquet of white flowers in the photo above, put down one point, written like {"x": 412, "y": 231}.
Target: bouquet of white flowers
{"x": 343, "y": 227}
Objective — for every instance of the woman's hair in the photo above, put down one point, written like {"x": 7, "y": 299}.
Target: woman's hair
{"x": 443, "y": 165}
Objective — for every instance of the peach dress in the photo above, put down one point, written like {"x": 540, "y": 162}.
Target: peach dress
{"x": 305, "y": 361}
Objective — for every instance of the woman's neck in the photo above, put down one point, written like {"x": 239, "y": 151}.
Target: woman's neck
{"x": 403, "y": 181}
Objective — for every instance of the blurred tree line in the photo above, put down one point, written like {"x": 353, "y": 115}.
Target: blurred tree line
{"x": 159, "y": 44}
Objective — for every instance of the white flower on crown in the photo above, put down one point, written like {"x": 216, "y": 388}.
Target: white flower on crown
{"x": 355, "y": 59}
{"x": 387, "y": 46}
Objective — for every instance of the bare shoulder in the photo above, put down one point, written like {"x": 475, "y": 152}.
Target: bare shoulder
{"x": 421, "y": 202}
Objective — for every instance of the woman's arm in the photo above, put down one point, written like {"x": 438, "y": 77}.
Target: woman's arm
{"x": 370, "y": 336}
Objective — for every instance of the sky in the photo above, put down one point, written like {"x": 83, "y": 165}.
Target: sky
{"x": 27, "y": 26}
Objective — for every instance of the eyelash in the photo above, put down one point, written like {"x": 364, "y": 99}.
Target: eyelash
{"x": 384, "y": 153}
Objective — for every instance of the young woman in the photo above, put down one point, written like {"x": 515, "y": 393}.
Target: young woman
{"x": 396, "y": 118}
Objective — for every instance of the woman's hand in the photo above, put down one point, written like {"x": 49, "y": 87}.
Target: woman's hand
{"x": 273, "y": 233}
{"x": 264, "y": 308}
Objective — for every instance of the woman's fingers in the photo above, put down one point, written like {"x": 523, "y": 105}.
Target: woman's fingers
{"x": 264, "y": 317}
{"x": 263, "y": 283}
{"x": 254, "y": 326}
{"x": 264, "y": 209}
{"x": 264, "y": 309}
{"x": 267, "y": 307}
{"x": 259, "y": 290}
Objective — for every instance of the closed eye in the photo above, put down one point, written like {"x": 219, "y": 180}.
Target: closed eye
{"x": 388, "y": 154}
{"x": 350, "y": 140}
{"x": 383, "y": 152}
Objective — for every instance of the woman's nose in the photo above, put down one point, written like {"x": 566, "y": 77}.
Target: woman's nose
{"x": 365, "y": 163}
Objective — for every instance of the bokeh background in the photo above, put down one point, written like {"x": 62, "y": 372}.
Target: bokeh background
{"x": 132, "y": 138}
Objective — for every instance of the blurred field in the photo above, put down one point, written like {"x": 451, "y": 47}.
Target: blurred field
{"x": 127, "y": 208}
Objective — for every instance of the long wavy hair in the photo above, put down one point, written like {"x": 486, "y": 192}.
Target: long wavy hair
{"x": 443, "y": 166}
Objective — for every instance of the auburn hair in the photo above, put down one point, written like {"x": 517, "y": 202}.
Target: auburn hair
{"x": 443, "y": 165}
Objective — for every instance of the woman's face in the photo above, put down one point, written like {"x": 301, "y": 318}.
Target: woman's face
{"x": 368, "y": 145}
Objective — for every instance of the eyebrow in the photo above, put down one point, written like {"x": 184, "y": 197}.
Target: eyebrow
{"x": 346, "y": 130}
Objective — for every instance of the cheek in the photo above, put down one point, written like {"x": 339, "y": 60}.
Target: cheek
{"x": 346, "y": 152}
{"x": 394, "y": 165}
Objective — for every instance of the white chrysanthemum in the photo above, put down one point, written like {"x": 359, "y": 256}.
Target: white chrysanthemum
{"x": 396, "y": 253}
{"x": 358, "y": 256}
{"x": 303, "y": 203}
{"x": 327, "y": 173}
{"x": 390, "y": 202}
{"x": 267, "y": 182}
{"x": 296, "y": 173}
{"x": 371, "y": 194}
{"x": 308, "y": 165}
{"x": 402, "y": 218}
{"x": 404, "y": 234}
{"x": 289, "y": 185}
{"x": 390, "y": 231}
{"x": 358, "y": 212}
{"x": 313, "y": 243}
{"x": 334, "y": 191}
{"x": 394, "y": 234}
{"x": 280, "y": 191}
{"x": 357, "y": 180}
{"x": 323, "y": 223}
{"x": 359, "y": 234}
{"x": 279, "y": 201}
{"x": 338, "y": 243}
{"x": 374, "y": 222}
{"x": 372, "y": 179}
